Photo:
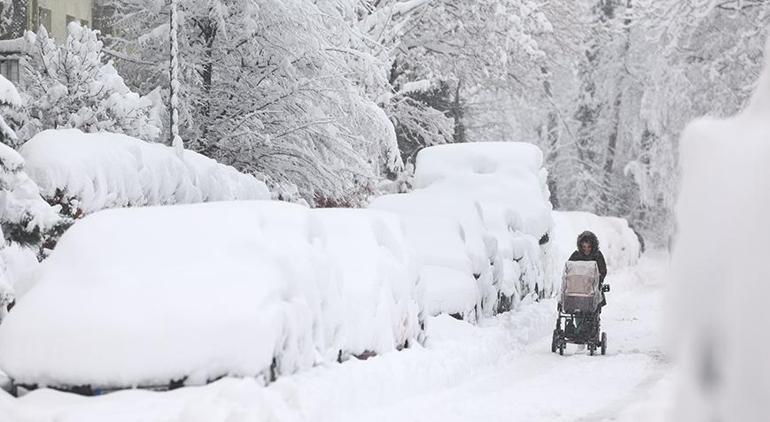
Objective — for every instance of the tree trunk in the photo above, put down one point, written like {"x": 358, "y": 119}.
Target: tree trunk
{"x": 551, "y": 138}
{"x": 457, "y": 115}
{"x": 174, "y": 139}
{"x": 612, "y": 143}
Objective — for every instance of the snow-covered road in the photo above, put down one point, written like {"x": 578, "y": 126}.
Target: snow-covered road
{"x": 502, "y": 370}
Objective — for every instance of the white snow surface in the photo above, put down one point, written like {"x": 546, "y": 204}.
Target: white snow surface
{"x": 107, "y": 170}
{"x": 720, "y": 265}
{"x": 142, "y": 296}
{"x": 507, "y": 178}
{"x": 499, "y": 370}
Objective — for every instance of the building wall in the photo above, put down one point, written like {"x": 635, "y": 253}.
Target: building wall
{"x": 60, "y": 9}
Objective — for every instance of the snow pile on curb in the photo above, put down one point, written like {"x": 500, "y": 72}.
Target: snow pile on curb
{"x": 94, "y": 171}
{"x": 143, "y": 296}
{"x": 476, "y": 219}
{"x": 618, "y": 243}
{"x": 720, "y": 286}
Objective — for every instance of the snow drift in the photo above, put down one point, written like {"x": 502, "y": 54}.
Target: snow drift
{"x": 720, "y": 265}
{"x": 143, "y": 296}
{"x": 94, "y": 171}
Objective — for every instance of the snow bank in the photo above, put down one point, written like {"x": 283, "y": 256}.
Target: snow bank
{"x": 617, "y": 241}
{"x": 106, "y": 170}
{"x": 142, "y": 296}
{"x": 720, "y": 270}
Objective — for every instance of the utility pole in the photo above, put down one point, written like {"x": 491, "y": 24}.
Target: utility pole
{"x": 175, "y": 139}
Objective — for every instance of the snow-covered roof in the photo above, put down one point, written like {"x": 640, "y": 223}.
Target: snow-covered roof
{"x": 13, "y": 46}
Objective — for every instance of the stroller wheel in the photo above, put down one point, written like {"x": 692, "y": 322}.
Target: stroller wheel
{"x": 591, "y": 349}
{"x": 561, "y": 348}
{"x": 604, "y": 343}
{"x": 555, "y": 340}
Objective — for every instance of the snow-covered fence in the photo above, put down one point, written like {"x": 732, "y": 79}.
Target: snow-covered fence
{"x": 87, "y": 172}
{"x": 144, "y": 296}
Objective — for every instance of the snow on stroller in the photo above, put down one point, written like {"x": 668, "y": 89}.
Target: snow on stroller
{"x": 579, "y": 308}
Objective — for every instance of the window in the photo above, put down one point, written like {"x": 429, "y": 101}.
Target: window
{"x": 44, "y": 18}
{"x": 9, "y": 68}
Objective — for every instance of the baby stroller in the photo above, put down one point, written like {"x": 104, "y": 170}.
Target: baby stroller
{"x": 579, "y": 308}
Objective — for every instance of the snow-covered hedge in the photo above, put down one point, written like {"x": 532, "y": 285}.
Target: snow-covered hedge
{"x": 476, "y": 219}
{"x": 142, "y": 296}
{"x": 94, "y": 171}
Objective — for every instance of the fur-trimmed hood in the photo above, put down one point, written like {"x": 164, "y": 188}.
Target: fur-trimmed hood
{"x": 591, "y": 238}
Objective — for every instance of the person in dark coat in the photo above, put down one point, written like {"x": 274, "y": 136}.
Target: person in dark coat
{"x": 588, "y": 250}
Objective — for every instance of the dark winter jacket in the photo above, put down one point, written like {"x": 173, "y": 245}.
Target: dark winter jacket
{"x": 596, "y": 254}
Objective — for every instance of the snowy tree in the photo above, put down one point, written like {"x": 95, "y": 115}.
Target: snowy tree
{"x": 9, "y": 98}
{"x": 281, "y": 89}
{"x": 25, "y": 218}
{"x": 466, "y": 49}
{"x": 70, "y": 86}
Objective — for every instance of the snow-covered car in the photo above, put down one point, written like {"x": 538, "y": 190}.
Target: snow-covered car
{"x": 165, "y": 296}
{"x": 506, "y": 182}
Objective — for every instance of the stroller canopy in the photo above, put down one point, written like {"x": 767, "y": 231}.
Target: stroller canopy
{"x": 580, "y": 291}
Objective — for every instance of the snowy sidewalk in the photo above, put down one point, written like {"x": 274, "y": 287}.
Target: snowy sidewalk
{"x": 501, "y": 370}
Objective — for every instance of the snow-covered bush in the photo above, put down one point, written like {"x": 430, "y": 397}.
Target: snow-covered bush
{"x": 618, "y": 243}
{"x": 281, "y": 88}
{"x": 87, "y": 172}
{"x": 71, "y": 86}
{"x": 9, "y": 97}
{"x": 25, "y": 218}
{"x": 476, "y": 220}
{"x": 720, "y": 274}
{"x": 507, "y": 182}
{"x": 142, "y": 296}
